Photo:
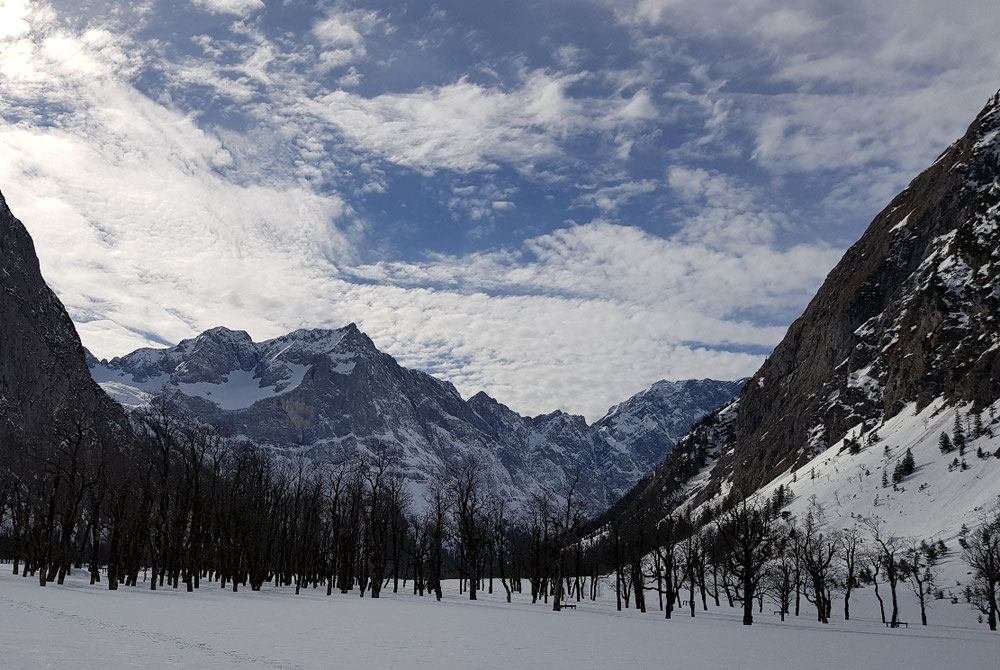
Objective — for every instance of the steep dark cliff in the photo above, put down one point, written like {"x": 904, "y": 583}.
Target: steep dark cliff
{"x": 45, "y": 386}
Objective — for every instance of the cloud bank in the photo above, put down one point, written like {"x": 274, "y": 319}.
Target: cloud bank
{"x": 560, "y": 223}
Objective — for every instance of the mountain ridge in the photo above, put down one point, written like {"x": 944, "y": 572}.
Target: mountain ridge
{"x": 329, "y": 394}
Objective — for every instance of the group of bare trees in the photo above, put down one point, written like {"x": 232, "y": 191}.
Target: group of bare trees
{"x": 754, "y": 552}
{"x": 168, "y": 503}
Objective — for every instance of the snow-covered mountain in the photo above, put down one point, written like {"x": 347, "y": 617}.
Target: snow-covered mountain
{"x": 652, "y": 421}
{"x": 328, "y": 394}
{"x": 903, "y": 336}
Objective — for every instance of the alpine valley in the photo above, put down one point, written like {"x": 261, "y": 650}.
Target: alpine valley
{"x": 555, "y": 203}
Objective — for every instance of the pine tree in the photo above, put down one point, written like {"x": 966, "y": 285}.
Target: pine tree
{"x": 944, "y": 443}
{"x": 958, "y": 437}
{"x": 977, "y": 426}
{"x": 904, "y": 467}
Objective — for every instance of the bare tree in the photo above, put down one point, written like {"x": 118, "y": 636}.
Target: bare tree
{"x": 467, "y": 490}
{"x": 500, "y": 536}
{"x": 850, "y": 561}
{"x": 918, "y": 566}
{"x": 779, "y": 579}
{"x": 438, "y": 508}
{"x": 981, "y": 550}
{"x": 887, "y": 550}
{"x": 820, "y": 547}
{"x": 748, "y": 534}
{"x": 563, "y": 528}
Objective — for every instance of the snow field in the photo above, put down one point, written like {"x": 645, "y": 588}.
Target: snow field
{"x": 86, "y": 627}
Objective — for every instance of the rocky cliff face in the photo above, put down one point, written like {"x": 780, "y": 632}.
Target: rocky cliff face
{"x": 909, "y": 314}
{"x": 329, "y": 394}
{"x": 44, "y": 383}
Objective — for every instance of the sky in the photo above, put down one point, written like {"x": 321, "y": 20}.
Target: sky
{"x": 557, "y": 202}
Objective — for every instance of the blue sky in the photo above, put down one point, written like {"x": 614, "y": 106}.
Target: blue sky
{"x": 556, "y": 202}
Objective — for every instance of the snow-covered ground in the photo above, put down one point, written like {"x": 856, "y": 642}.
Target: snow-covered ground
{"x": 79, "y": 627}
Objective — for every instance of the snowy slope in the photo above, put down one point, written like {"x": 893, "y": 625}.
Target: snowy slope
{"x": 932, "y": 503}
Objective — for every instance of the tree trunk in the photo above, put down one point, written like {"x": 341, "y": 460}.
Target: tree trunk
{"x": 881, "y": 603}
{"x": 747, "y": 601}
{"x": 895, "y": 605}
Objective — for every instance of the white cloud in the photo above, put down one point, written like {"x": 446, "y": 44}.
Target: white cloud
{"x": 465, "y": 126}
{"x": 853, "y": 86}
{"x": 341, "y": 35}
{"x": 608, "y": 199}
{"x": 14, "y": 18}
{"x": 693, "y": 292}
{"x": 235, "y": 7}
{"x": 568, "y": 56}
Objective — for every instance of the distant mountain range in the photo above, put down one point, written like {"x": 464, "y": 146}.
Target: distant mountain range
{"x": 328, "y": 394}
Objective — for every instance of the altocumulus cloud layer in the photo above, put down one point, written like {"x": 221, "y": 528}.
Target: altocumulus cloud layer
{"x": 558, "y": 203}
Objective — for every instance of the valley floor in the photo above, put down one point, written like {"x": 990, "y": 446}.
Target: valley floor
{"x": 84, "y": 627}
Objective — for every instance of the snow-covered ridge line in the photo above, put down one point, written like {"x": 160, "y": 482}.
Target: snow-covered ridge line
{"x": 222, "y": 366}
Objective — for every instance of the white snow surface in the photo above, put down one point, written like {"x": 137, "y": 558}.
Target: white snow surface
{"x": 932, "y": 503}
{"x": 125, "y": 388}
{"x": 241, "y": 388}
{"x": 86, "y": 627}
{"x": 902, "y": 223}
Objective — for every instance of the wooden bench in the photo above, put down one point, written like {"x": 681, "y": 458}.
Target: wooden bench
{"x": 888, "y": 624}
{"x": 570, "y": 606}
